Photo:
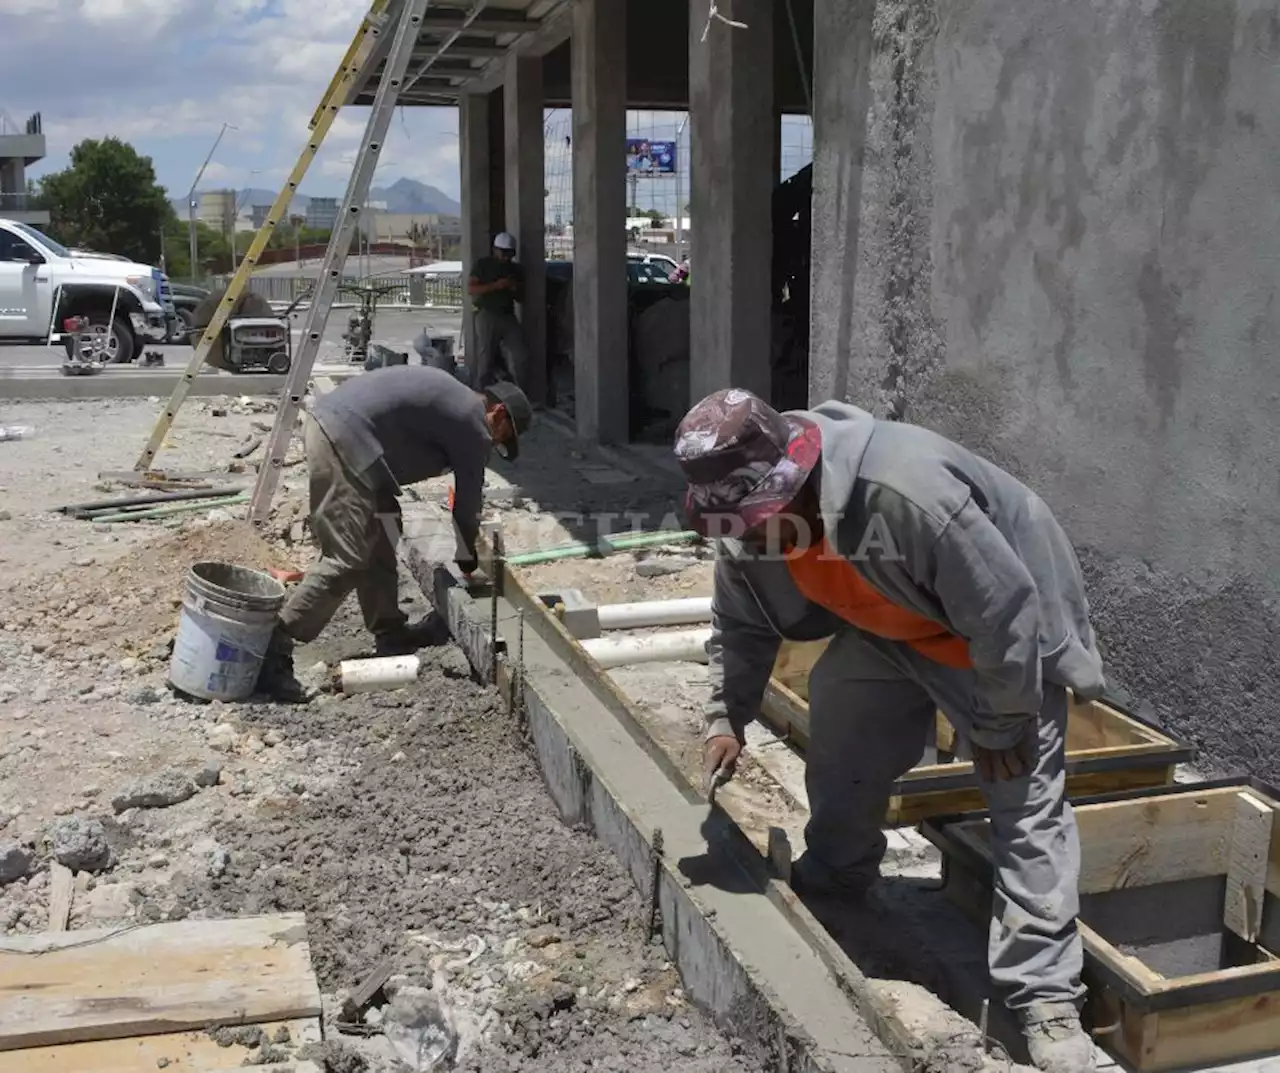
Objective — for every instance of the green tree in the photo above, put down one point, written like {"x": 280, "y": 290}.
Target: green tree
{"x": 108, "y": 200}
{"x": 214, "y": 249}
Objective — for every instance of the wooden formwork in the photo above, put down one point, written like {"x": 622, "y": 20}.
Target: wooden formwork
{"x": 1180, "y": 917}
{"x": 910, "y": 1031}
{"x": 1107, "y": 749}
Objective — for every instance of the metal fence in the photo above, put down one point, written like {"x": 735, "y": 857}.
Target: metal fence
{"x": 23, "y": 202}
{"x": 405, "y": 290}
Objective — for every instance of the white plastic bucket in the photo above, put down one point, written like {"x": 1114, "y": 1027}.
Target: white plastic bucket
{"x": 228, "y": 616}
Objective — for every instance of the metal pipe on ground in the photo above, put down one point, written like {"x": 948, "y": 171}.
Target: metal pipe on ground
{"x": 165, "y": 512}
{"x": 77, "y": 509}
{"x": 654, "y": 613}
{"x": 675, "y": 647}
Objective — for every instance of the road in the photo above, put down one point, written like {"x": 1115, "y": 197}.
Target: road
{"x": 393, "y": 328}
{"x": 35, "y": 371}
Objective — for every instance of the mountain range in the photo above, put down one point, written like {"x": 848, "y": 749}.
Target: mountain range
{"x": 402, "y": 196}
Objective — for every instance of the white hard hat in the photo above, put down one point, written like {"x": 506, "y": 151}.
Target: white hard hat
{"x": 504, "y": 241}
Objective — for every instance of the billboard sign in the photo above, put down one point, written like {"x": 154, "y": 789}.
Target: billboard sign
{"x": 645, "y": 157}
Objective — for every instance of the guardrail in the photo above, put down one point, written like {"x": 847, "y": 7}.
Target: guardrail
{"x": 405, "y": 290}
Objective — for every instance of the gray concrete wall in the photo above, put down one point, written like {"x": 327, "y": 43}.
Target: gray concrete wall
{"x": 1068, "y": 260}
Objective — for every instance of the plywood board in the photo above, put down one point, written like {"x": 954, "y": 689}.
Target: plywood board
{"x": 110, "y": 984}
{"x": 181, "y": 1052}
{"x": 1247, "y": 867}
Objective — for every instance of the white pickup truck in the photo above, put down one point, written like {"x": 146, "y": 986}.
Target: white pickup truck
{"x": 37, "y": 274}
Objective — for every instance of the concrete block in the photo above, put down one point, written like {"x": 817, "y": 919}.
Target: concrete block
{"x": 581, "y": 617}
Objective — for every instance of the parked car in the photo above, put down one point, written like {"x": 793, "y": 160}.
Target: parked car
{"x": 186, "y": 297}
{"x": 661, "y": 261}
{"x": 41, "y": 279}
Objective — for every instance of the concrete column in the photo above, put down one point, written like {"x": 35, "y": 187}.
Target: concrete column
{"x": 600, "y": 336}
{"x": 477, "y": 230}
{"x": 527, "y": 206}
{"x": 732, "y": 122}
{"x": 777, "y": 147}
{"x": 841, "y": 98}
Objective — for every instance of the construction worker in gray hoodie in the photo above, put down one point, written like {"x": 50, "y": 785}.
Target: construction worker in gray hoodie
{"x": 366, "y": 440}
{"x": 943, "y": 583}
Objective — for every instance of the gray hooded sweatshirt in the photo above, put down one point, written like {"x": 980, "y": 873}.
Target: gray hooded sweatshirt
{"x": 936, "y": 530}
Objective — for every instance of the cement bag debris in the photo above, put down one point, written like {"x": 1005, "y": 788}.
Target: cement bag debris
{"x": 418, "y": 1029}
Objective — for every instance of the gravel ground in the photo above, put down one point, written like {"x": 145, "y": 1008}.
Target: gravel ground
{"x": 411, "y": 825}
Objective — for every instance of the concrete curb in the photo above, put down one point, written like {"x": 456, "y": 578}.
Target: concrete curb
{"x": 735, "y": 952}
{"x": 59, "y": 388}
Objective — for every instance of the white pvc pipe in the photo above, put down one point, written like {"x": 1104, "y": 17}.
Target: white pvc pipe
{"x": 387, "y": 672}
{"x": 650, "y": 648}
{"x": 654, "y": 613}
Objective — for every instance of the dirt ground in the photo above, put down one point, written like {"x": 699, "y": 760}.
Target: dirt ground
{"x": 411, "y": 825}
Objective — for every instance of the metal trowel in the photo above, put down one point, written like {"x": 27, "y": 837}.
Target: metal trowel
{"x": 712, "y": 782}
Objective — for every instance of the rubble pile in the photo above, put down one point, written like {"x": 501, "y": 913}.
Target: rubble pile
{"x": 128, "y": 607}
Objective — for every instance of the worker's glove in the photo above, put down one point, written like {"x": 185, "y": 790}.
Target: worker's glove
{"x": 1014, "y": 762}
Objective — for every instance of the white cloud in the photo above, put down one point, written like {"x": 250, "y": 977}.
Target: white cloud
{"x": 180, "y": 69}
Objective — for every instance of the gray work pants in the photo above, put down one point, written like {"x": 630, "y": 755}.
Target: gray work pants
{"x": 357, "y": 529}
{"x": 500, "y": 348}
{"x": 871, "y": 704}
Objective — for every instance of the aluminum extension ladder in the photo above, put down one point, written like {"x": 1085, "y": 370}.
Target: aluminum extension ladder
{"x": 361, "y": 57}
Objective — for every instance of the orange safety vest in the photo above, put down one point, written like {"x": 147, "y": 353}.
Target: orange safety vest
{"x": 828, "y": 579}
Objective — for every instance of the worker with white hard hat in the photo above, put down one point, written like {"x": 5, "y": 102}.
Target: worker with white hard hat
{"x": 495, "y": 285}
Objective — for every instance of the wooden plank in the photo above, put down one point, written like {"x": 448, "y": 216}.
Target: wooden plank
{"x": 1142, "y": 842}
{"x": 794, "y": 662}
{"x": 909, "y": 809}
{"x": 62, "y": 887}
{"x": 1247, "y": 866}
{"x": 1126, "y": 966}
{"x": 787, "y": 713}
{"x": 964, "y": 768}
{"x": 110, "y": 984}
{"x": 1207, "y": 1035}
{"x": 359, "y": 999}
{"x": 181, "y": 1052}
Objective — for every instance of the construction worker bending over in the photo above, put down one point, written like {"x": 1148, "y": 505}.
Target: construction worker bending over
{"x": 944, "y": 583}
{"x": 495, "y": 285}
{"x": 364, "y": 440}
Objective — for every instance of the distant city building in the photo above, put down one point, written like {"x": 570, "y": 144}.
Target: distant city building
{"x": 429, "y": 230}
{"x": 20, "y": 147}
{"x": 322, "y": 213}
{"x": 258, "y": 214}
{"x": 218, "y": 210}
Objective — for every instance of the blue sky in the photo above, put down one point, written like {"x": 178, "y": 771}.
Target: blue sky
{"x": 165, "y": 75}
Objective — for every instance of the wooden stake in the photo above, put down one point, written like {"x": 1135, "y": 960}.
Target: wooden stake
{"x": 62, "y": 887}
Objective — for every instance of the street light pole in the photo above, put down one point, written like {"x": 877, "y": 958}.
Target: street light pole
{"x": 191, "y": 196}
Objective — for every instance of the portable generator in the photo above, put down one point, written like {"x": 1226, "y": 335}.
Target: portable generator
{"x": 258, "y": 343}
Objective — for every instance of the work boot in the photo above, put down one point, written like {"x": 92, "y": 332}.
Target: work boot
{"x": 428, "y": 632}
{"x": 1056, "y": 1041}
{"x": 276, "y": 679}
{"x": 812, "y": 879}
